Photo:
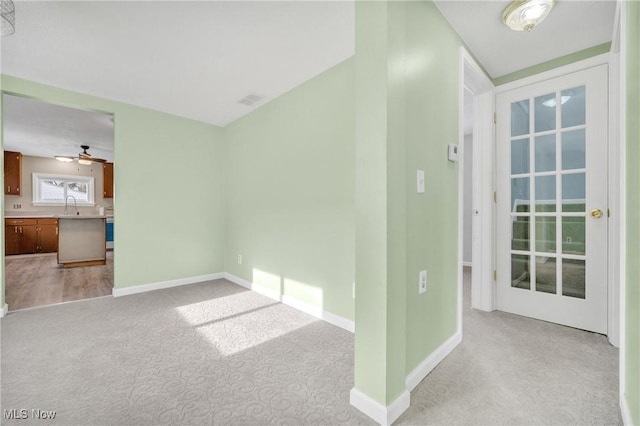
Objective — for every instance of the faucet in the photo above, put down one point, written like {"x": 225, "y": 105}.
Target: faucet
{"x": 75, "y": 204}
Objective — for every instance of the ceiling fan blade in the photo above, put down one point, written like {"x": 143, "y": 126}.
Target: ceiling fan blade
{"x": 86, "y": 156}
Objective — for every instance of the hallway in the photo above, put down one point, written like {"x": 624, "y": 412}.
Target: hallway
{"x": 515, "y": 370}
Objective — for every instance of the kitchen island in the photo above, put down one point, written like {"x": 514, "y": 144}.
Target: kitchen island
{"x": 81, "y": 240}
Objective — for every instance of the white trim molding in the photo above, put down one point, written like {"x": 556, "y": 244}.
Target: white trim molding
{"x": 622, "y": 247}
{"x": 384, "y": 415}
{"x": 426, "y": 366}
{"x": 555, "y": 72}
{"x": 126, "y": 291}
{"x": 473, "y": 79}
{"x": 307, "y": 308}
{"x": 4, "y": 311}
{"x": 627, "y": 420}
{"x": 37, "y": 181}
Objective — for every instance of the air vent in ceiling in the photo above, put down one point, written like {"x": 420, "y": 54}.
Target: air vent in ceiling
{"x": 251, "y": 99}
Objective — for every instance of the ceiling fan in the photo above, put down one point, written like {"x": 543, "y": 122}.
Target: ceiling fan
{"x": 83, "y": 158}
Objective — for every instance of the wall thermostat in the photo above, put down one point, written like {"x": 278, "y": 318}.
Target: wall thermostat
{"x": 453, "y": 153}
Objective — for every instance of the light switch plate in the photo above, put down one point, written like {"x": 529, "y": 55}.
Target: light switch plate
{"x": 453, "y": 153}
{"x": 422, "y": 287}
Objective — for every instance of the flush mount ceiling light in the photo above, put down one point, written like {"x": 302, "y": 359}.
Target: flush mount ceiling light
{"x": 523, "y": 15}
{"x": 7, "y": 18}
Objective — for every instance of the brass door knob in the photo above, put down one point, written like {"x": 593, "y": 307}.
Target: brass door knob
{"x": 596, "y": 213}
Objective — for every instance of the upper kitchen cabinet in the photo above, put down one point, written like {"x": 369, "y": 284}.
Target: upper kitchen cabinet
{"x": 12, "y": 172}
{"x": 108, "y": 180}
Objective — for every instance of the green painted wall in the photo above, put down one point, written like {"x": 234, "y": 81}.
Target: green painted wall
{"x": 397, "y": 181}
{"x": 554, "y": 63}
{"x": 432, "y": 217}
{"x": 407, "y": 66}
{"x": 169, "y": 183}
{"x": 632, "y": 325}
{"x": 290, "y": 193}
{"x": 380, "y": 219}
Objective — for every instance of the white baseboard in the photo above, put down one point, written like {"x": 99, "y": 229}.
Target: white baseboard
{"x": 237, "y": 280}
{"x": 314, "y": 311}
{"x": 126, "y": 291}
{"x": 271, "y": 294}
{"x": 426, "y": 366}
{"x": 385, "y": 415}
{"x": 624, "y": 409}
{"x": 4, "y": 311}
{"x": 338, "y": 321}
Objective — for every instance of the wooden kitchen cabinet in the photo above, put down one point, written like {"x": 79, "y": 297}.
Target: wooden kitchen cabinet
{"x": 12, "y": 172}
{"x": 28, "y": 239}
{"x": 47, "y": 241}
{"x": 28, "y": 235}
{"x": 107, "y": 180}
{"x": 11, "y": 240}
{"x": 20, "y": 236}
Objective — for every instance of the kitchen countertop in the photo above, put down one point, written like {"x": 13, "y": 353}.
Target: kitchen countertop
{"x": 75, "y": 217}
{"x": 11, "y": 215}
{"x": 31, "y": 216}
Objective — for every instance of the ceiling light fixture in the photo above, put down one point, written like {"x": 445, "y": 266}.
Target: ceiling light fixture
{"x": 7, "y": 17}
{"x": 64, "y": 159}
{"x": 523, "y": 15}
{"x": 83, "y": 158}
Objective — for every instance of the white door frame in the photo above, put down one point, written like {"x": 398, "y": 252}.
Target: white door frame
{"x": 618, "y": 128}
{"x": 475, "y": 81}
{"x": 617, "y": 181}
{"x": 614, "y": 175}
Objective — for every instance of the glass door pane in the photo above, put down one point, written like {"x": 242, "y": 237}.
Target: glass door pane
{"x": 548, "y": 172}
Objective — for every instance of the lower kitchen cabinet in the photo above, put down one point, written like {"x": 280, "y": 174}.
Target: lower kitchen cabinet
{"x": 28, "y": 235}
{"x": 11, "y": 240}
{"x": 47, "y": 235}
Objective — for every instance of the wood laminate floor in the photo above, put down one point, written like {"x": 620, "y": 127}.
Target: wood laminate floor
{"x": 38, "y": 280}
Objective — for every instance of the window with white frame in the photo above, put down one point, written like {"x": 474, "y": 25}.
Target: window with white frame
{"x": 54, "y": 190}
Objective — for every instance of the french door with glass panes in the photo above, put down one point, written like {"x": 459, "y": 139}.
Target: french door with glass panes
{"x": 551, "y": 146}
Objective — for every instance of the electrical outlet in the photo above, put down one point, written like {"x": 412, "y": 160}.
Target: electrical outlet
{"x": 239, "y": 259}
{"x": 569, "y": 240}
{"x": 422, "y": 284}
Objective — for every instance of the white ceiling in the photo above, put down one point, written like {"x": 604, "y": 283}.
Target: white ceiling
{"x": 191, "y": 59}
{"x": 572, "y": 25}
{"x": 41, "y": 129}
{"x": 198, "y": 59}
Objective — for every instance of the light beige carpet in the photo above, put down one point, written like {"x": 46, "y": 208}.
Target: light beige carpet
{"x": 211, "y": 353}
{"x": 512, "y": 370}
{"x": 215, "y": 353}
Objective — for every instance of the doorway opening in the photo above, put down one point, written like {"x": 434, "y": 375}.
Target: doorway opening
{"x": 58, "y": 199}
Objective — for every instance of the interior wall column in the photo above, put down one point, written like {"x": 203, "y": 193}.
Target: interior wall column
{"x": 380, "y": 306}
